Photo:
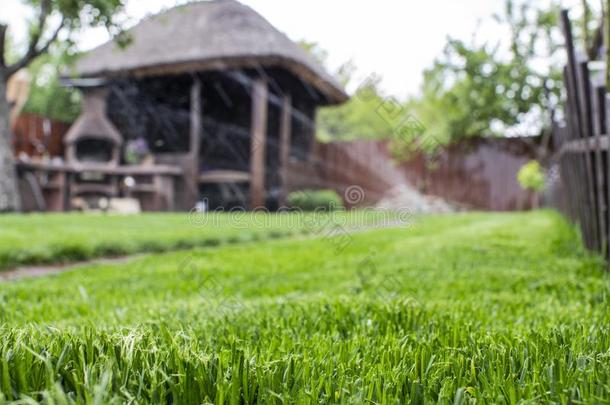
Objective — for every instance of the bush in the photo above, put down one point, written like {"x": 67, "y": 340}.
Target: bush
{"x": 531, "y": 176}
{"x": 310, "y": 200}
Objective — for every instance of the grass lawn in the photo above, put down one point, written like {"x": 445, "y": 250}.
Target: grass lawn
{"x": 495, "y": 308}
{"x": 46, "y": 239}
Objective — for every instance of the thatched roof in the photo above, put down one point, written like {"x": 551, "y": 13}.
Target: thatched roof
{"x": 207, "y": 35}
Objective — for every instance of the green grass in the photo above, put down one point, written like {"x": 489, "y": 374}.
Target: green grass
{"x": 492, "y": 308}
{"x": 48, "y": 239}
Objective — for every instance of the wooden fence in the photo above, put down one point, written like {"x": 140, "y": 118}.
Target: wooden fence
{"x": 366, "y": 164}
{"x": 36, "y": 136}
{"x": 476, "y": 173}
{"x": 583, "y": 147}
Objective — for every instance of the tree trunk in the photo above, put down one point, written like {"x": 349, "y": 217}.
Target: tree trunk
{"x": 9, "y": 192}
{"x": 535, "y": 200}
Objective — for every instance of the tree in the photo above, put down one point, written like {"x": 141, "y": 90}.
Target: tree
{"x": 592, "y": 37}
{"x": 369, "y": 114}
{"x": 483, "y": 89}
{"x": 53, "y": 18}
{"x": 48, "y": 97}
{"x": 531, "y": 178}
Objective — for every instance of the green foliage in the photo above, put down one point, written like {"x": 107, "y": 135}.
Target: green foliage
{"x": 485, "y": 308}
{"x": 48, "y": 97}
{"x": 531, "y": 176}
{"x": 485, "y": 90}
{"x": 311, "y": 200}
{"x": 475, "y": 89}
{"x": 52, "y": 20}
{"x": 82, "y": 13}
{"x": 11, "y": 51}
{"x": 367, "y": 115}
{"x": 314, "y": 49}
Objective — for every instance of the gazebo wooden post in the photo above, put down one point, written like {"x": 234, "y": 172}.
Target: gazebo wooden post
{"x": 314, "y": 131}
{"x": 285, "y": 141}
{"x": 192, "y": 173}
{"x": 196, "y": 119}
{"x": 258, "y": 142}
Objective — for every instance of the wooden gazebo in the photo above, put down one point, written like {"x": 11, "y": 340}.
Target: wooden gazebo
{"x": 217, "y": 91}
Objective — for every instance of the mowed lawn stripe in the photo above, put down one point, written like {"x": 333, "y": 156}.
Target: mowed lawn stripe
{"x": 65, "y": 238}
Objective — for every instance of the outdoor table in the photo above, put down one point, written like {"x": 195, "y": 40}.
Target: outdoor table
{"x": 154, "y": 184}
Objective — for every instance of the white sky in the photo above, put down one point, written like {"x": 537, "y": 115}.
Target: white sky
{"x": 396, "y": 39}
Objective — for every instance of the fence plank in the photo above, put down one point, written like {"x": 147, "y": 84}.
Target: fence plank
{"x": 606, "y": 122}
{"x": 598, "y": 122}
{"x": 576, "y": 90}
{"x": 570, "y": 71}
{"x": 579, "y": 191}
{"x": 583, "y": 90}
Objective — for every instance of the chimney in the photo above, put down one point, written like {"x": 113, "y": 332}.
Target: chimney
{"x": 93, "y": 138}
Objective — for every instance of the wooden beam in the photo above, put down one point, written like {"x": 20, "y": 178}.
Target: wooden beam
{"x": 189, "y": 194}
{"x": 583, "y": 88}
{"x": 258, "y": 142}
{"x": 598, "y": 107}
{"x": 578, "y": 88}
{"x": 335, "y": 95}
{"x": 285, "y": 142}
{"x": 585, "y": 144}
{"x": 605, "y": 126}
{"x": 3, "y": 28}
{"x": 572, "y": 135}
{"x": 312, "y": 133}
{"x": 196, "y": 119}
{"x": 570, "y": 75}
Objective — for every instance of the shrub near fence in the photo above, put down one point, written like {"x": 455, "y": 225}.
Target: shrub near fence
{"x": 583, "y": 147}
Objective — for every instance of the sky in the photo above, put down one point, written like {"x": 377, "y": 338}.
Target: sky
{"x": 395, "y": 39}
